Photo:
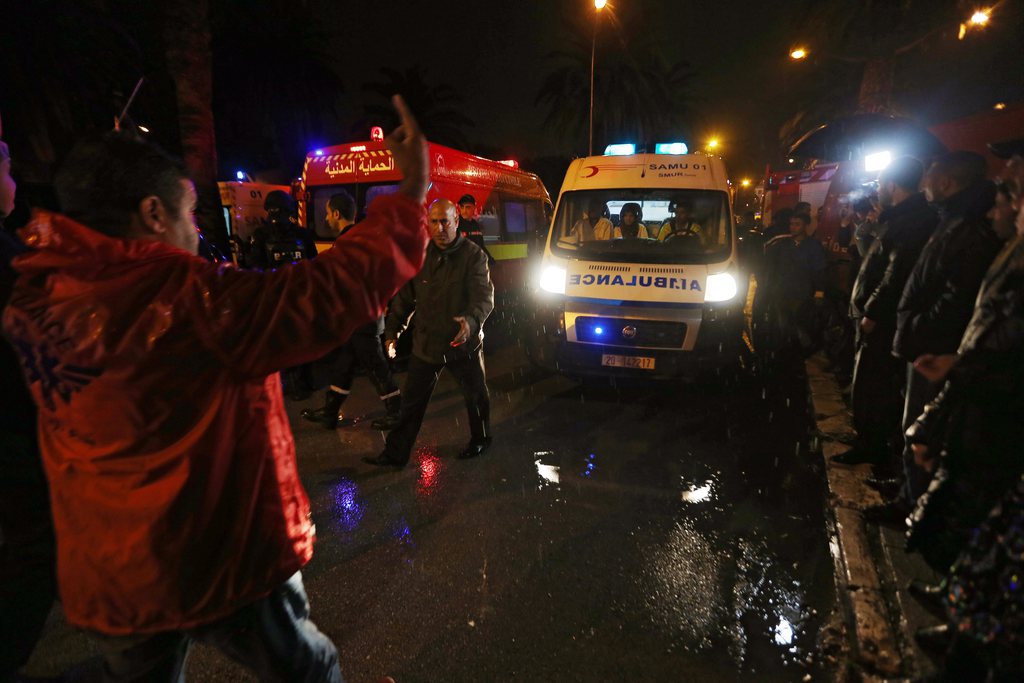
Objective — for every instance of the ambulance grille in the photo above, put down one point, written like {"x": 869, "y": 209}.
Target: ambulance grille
{"x": 609, "y": 269}
{"x": 645, "y": 333}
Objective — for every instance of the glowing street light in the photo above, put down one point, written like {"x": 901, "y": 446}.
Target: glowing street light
{"x": 713, "y": 143}
{"x": 798, "y": 53}
{"x": 598, "y": 6}
{"x": 980, "y": 17}
{"x": 1000, "y": 106}
{"x": 745, "y": 182}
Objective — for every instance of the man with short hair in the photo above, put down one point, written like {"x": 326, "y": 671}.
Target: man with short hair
{"x": 470, "y": 227}
{"x": 682, "y": 223}
{"x": 938, "y": 299}
{"x": 451, "y": 297}
{"x": 341, "y": 213}
{"x": 362, "y": 349}
{"x": 792, "y": 280}
{"x": 174, "y": 485}
{"x": 905, "y": 224}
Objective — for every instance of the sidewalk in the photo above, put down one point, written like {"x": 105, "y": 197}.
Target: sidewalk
{"x": 872, "y": 569}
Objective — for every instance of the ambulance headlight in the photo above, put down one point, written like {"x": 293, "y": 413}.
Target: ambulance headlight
{"x": 720, "y": 287}
{"x": 552, "y": 279}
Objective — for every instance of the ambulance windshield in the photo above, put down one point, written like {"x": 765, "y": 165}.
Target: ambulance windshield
{"x": 643, "y": 225}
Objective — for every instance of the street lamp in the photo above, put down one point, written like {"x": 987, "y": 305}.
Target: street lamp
{"x": 598, "y": 6}
{"x": 713, "y": 143}
{"x": 980, "y": 17}
{"x": 798, "y": 53}
{"x": 745, "y": 182}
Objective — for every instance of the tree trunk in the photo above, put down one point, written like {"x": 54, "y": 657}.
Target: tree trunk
{"x": 875, "y": 94}
{"x": 190, "y": 64}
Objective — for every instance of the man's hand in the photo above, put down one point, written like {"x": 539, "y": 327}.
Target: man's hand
{"x": 409, "y": 149}
{"x": 867, "y": 325}
{"x": 389, "y": 346}
{"x": 935, "y": 368}
{"x": 922, "y": 457}
{"x": 463, "y": 335}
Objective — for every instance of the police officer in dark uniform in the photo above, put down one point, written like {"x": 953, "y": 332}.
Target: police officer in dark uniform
{"x": 280, "y": 241}
{"x": 470, "y": 227}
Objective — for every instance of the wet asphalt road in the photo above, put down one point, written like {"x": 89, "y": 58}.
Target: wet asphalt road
{"x": 672, "y": 532}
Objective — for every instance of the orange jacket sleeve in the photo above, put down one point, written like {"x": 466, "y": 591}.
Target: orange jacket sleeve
{"x": 262, "y": 322}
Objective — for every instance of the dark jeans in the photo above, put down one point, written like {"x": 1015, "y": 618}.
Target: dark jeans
{"x": 419, "y": 385}
{"x": 273, "y": 637}
{"x": 27, "y": 553}
{"x": 362, "y": 349}
{"x": 919, "y": 393}
{"x": 878, "y": 377}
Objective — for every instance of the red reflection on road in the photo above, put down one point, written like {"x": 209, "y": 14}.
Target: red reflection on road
{"x": 430, "y": 471}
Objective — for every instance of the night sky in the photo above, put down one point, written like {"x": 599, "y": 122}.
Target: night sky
{"x": 497, "y": 54}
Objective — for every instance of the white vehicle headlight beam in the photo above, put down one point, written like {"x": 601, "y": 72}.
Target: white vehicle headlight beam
{"x": 552, "y": 279}
{"x": 720, "y": 287}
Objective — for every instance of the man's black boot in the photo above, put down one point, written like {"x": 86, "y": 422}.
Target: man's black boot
{"x": 385, "y": 459}
{"x": 327, "y": 415}
{"x": 392, "y": 404}
{"x": 475, "y": 447}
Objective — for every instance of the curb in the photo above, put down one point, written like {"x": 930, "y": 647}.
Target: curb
{"x": 874, "y": 643}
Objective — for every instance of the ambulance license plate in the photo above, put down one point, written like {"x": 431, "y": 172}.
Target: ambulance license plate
{"x": 641, "y": 362}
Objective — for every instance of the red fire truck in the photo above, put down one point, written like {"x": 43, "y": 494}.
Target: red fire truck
{"x": 512, "y": 204}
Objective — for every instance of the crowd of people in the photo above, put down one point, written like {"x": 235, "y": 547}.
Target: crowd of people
{"x": 937, "y": 390}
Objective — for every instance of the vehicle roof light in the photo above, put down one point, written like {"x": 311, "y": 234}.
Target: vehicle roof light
{"x": 357, "y": 148}
{"x": 511, "y": 163}
{"x": 671, "y": 148}
{"x": 377, "y": 134}
{"x": 240, "y": 175}
{"x": 621, "y": 149}
{"x": 318, "y": 152}
{"x": 877, "y": 161}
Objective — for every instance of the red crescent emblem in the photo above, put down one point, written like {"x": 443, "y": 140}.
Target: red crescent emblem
{"x": 593, "y": 171}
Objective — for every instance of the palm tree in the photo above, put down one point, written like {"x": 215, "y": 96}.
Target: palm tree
{"x": 638, "y": 95}
{"x": 190, "y": 64}
{"x": 63, "y": 63}
{"x": 438, "y": 107}
{"x": 277, "y": 91}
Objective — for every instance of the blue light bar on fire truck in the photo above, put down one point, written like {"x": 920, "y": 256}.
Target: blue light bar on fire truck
{"x": 621, "y": 149}
{"x": 671, "y": 148}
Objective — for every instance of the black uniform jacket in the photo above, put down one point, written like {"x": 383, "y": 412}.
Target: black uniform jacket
{"x": 938, "y": 299}
{"x": 889, "y": 260}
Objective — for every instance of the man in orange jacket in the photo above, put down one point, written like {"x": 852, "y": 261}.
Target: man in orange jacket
{"x": 177, "y": 504}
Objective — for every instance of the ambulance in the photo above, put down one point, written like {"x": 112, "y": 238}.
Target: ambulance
{"x": 662, "y": 299}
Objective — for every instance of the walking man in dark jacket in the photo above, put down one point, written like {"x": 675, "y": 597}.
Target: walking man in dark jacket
{"x": 363, "y": 348}
{"x": 939, "y": 297}
{"x": 452, "y": 296}
{"x": 905, "y": 224}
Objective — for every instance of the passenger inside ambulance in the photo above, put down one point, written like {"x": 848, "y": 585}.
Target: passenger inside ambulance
{"x": 682, "y": 223}
{"x": 594, "y": 225}
{"x": 631, "y": 223}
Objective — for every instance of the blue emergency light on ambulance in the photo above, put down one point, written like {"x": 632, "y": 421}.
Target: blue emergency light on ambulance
{"x": 671, "y": 148}
{"x": 620, "y": 149}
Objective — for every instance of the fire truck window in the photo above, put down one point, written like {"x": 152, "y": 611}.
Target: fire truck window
{"x": 515, "y": 219}
{"x": 489, "y": 219}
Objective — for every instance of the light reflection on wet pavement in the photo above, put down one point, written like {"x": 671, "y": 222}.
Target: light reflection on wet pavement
{"x": 672, "y": 532}
{"x": 609, "y": 534}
